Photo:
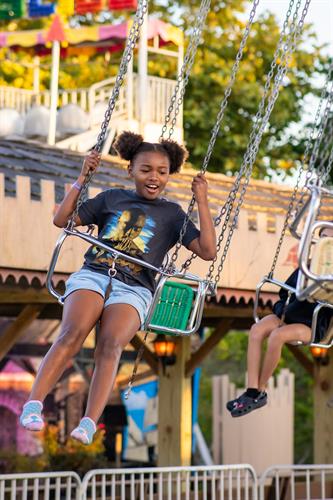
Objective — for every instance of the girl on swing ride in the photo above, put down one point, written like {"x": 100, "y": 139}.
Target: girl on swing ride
{"x": 140, "y": 223}
{"x": 290, "y": 322}
{"x": 137, "y": 230}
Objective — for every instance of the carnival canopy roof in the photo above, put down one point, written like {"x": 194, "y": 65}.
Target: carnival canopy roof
{"x": 88, "y": 34}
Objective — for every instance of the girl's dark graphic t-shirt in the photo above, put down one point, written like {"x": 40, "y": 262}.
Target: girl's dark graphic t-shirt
{"x": 145, "y": 229}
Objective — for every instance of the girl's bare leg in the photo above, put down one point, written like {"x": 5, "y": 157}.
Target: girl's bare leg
{"x": 258, "y": 333}
{"x": 82, "y": 310}
{"x": 276, "y": 340}
{"x": 119, "y": 324}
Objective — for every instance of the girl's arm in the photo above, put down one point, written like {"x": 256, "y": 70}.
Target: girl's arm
{"x": 68, "y": 204}
{"x": 205, "y": 245}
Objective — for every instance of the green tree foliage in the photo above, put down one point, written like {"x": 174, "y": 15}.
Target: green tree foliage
{"x": 229, "y": 357}
{"x": 283, "y": 143}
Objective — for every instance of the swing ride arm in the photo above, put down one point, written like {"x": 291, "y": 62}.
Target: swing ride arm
{"x": 304, "y": 290}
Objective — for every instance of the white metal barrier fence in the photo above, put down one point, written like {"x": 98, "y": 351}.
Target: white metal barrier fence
{"x": 237, "y": 482}
{"x": 217, "y": 482}
{"x": 295, "y": 482}
{"x": 40, "y": 486}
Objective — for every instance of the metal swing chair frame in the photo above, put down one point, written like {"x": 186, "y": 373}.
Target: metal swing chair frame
{"x": 308, "y": 282}
{"x": 199, "y": 294}
{"x": 327, "y": 341}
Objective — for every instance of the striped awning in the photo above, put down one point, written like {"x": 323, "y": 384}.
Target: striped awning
{"x": 88, "y": 34}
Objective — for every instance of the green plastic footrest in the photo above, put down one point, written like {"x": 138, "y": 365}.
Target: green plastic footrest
{"x": 174, "y": 307}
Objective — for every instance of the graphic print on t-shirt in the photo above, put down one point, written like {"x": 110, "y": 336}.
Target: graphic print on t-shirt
{"x": 129, "y": 231}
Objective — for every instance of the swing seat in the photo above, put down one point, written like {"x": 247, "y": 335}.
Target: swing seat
{"x": 322, "y": 265}
{"x": 174, "y": 307}
{"x": 326, "y": 342}
{"x": 177, "y": 308}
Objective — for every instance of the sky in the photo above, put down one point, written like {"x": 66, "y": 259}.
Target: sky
{"x": 320, "y": 14}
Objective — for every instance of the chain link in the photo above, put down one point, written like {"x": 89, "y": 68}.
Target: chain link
{"x": 183, "y": 77}
{"x": 288, "y": 48}
{"x": 127, "y": 55}
{"x": 136, "y": 366}
{"x": 227, "y": 207}
{"x": 216, "y": 128}
{"x": 174, "y": 108}
{"x": 316, "y": 125}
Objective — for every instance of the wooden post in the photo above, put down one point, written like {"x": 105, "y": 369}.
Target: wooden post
{"x": 175, "y": 410}
{"x": 54, "y": 92}
{"x": 13, "y": 332}
{"x": 323, "y": 414}
{"x": 198, "y": 356}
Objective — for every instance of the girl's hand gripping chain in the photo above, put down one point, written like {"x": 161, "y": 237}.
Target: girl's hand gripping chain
{"x": 200, "y": 189}
{"x": 90, "y": 164}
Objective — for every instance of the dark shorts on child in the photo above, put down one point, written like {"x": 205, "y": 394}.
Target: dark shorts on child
{"x": 301, "y": 311}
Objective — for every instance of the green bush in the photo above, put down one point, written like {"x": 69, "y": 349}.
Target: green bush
{"x": 56, "y": 456}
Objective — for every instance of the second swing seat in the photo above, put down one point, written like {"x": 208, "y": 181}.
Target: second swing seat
{"x": 174, "y": 306}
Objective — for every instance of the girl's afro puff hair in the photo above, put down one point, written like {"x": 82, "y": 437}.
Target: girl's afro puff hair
{"x": 128, "y": 145}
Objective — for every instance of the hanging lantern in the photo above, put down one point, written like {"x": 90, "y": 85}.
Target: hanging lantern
{"x": 320, "y": 355}
{"x": 38, "y": 9}
{"x": 123, "y": 4}
{"x": 88, "y": 6}
{"x": 164, "y": 347}
{"x": 12, "y": 9}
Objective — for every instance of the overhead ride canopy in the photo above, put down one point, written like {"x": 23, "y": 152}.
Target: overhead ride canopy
{"x": 110, "y": 36}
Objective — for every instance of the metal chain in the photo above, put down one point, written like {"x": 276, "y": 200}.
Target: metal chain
{"x": 250, "y": 156}
{"x": 127, "y": 55}
{"x": 329, "y": 167}
{"x": 217, "y": 125}
{"x": 183, "y": 77}
{"x": 323, "y": 171}
{"x": 309, "y": 143}
{"x": 227, "y": 207}
{"x": 136, "y": 366}
{"x": 311, "y": 174}
{"x": 174, "y": 107}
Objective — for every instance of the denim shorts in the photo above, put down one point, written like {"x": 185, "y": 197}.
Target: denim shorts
{"x": 137, "y": 296}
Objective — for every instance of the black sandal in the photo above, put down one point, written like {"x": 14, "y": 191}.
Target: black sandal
{"x": 231, "y": 404}
{"x": 245, "y": 404}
